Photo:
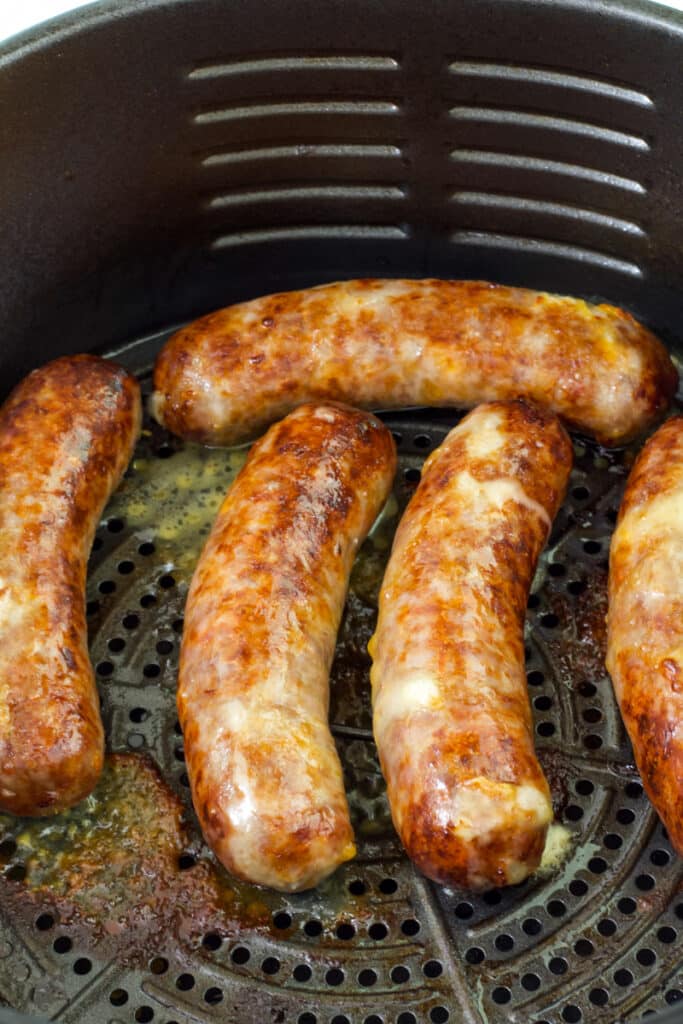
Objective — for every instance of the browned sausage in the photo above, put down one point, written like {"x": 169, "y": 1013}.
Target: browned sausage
{"x": 451, "y": 712}
{"x": 260, "y": 629}
{"x": 66, "y": 435}
{"x": 645, "y": 620}
{"x": 387, "y": 344}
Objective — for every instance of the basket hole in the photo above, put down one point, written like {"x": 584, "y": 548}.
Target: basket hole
{"x": 334, "y": 976}
{"x": 623, "y": 977}
{"x": 530, "y": 982}
{"x": 598, "y": 996}
{"x": 105, "y": 668}
{"x": 543, "y": 703}
{"x": 44, "y": 922}
{"x": 504, "y": 943}
{"x": 345, "y": 931}
{"x": 556, "y": 908}
{"x": 646, "y": 957}
{"x": 587, "y": 689}
{"x": 179, "y": 754}
{"x": 571, "y": 1014}
{"x": 557, "y": 569}
{"x": 627, "y": 905}
{"x": 439, "y": 1015}
{"x": 357, "y": 887}
{"x": 62, "y": 944}
{"x": 313, "y": 928}
{"x": 410, "y": 926}
{"x": 307, "y": 1018}
{"x": 533, "y": 602}
{"x": 82, "y": 965}
{"x": 213, "y": 996}
{"x": 184, "y": 982}
{"x": 388, "y": 886}
{"x": 240, "y": 955}
{"x": 666, "y": 934}
{"x": 634, "y": 790}
{"x": 159, "y": 965}
{"x": 164, "y": 451}
{"x": 398, "y": 438}
{"x": 399, "y": 975}
{"x": 592, "y": 742}
{"x": 576, "y": 587}
{"x": 407, "y": 1017}
{"x": 592, "y": 547}
{"x": 613, "y": 841}
{"x": 545, "y": 728}
{"x": 501, "y": 995}
{"x": 433, "y": 969}
{"x": 144, "y": 1014}
{"x": 91, "y": 608}
{"x": 116, "y": 644}
{"x": 186, "y": 861}
{"x": 118, "y": 997}
{"x": 584, "y": 947}
{"x": 422, "y": 441}
{"x": 138, "y": 715}
{"x": 115, "y": 525}
{"x": 17, "y": 873}
{"x": 135, "y": 740}
{"x": 148, "y": 600}
{"x": 212, "y": 941}
{"x": 107, "y": 587}
{"x": 607, "y": 927}
{"x": 660, "y": 858}
{"x": 412, "y": 475}
{"x": 597, "y": 865}
{"x": 492, "y": 898}
{"x": 578, "y": 887}
{"x": 474, "y": 955}
{"x": 131, "y": 621}
{"x": 367, "y": 977}
{"x": 592, "y": 715}
{"x": 167, "y": 581}
{"x": 164, "y": 647}
{"x": 573, "y": 812}
{"x": 282, "y": 920}
{"x": 558, "y": 965}
{"x": 378, "y": 931}
{"x": 151, "y": 671}
{"x": 674, "y": 995}
{"x": 549, "y": 620}
{"x": 463, "y": 911}
{"x": 625, "y": 816}
{"x": 147, "y": 548}
{"x": 645, "y": 883}
{"x": 271, "y": 965}
{"x": 531, "y": 926}
{"x": 580, "y": 493}
{"x": 535, "y": 678}
{"x": 302, "y": 973}
{"x": 126, "y": 567}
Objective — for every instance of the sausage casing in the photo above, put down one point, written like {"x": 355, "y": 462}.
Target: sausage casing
{"x": 261, "y": 622}
{"x": 387, "y": 344}
{"x": 67, "y": 433}
{"x": 451, "y": 712}
{"x": 645, "y": 620}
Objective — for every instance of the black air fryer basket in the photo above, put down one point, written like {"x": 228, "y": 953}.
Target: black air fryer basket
{"x": 161, "y": 159}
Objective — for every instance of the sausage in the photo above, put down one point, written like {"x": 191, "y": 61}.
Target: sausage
{"x": 387, "y": 344}
{"x": 645, "y": 620}
{"x": 67, "y": 433}
{"x": 451, "y": 713}
{"x": 261, "y": 621}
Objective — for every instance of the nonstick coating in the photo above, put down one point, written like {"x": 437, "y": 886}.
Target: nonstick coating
{"x": 162, "y": 159}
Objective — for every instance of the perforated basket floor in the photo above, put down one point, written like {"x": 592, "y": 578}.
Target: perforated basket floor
{"x": 117, "y": 912}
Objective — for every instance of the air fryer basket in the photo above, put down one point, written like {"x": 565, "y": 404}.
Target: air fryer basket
{"x": 162, "y": 159}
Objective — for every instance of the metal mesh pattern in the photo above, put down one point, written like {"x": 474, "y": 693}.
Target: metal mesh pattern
{"x": 137, "y": 923}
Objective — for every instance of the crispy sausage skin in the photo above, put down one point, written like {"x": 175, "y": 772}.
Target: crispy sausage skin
{"x": 645, "y": 620}
{"x": 67, "y": 433}
{"x": 451, "y": 712}
{"x": 387, "y": 344}
{"x": 261, "y": 622}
